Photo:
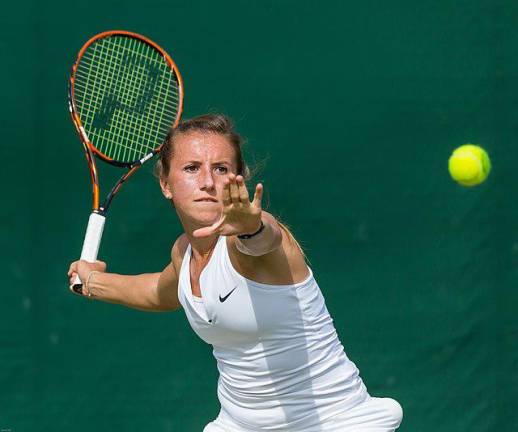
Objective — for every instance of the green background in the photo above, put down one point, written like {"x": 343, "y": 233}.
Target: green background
{"x": 352, "y": 109}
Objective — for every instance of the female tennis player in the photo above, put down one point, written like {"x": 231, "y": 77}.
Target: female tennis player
{"x": 243, "y": 282}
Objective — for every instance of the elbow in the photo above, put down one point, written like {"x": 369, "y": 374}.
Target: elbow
{"x": 165, "y": 308}
{"x": 162, "y": 303}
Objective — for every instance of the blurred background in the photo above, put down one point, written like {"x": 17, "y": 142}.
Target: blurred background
{"x": 351, "y": 110}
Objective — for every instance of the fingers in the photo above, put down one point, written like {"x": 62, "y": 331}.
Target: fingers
{"x": 258, "y": 196}
{"x": 72, "y": 268}
{"x": 82, "y": 268}
{"x": 234, "y": 190}
{"x": 236, "y": 193}
{"x": 242, "y": 191}
{"x": 226, "y": 193}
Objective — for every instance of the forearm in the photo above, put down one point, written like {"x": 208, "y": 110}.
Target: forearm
{"x": 267, "y": 240}
{"x": 138, "y": 292}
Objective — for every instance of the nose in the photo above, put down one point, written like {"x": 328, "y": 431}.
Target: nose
{"x": 206, "y": 179}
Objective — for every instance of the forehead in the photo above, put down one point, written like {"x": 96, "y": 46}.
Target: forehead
{"x": 199, "y": 145}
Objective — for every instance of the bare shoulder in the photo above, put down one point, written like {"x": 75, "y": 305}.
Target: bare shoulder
{"x": 178, "y": 251}
{"x": 285, "y": 265}
{"x": 167, "y": 287}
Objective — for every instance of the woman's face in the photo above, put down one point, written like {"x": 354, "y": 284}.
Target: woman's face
{"x": 200, "y": 164}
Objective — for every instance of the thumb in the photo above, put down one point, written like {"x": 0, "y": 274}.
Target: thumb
{"x": 207, "y": 231}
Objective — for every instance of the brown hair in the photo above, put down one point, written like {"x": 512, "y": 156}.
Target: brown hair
{"x": 207, "y": 123}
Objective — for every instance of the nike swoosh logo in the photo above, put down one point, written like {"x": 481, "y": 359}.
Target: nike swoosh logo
{"x": 222, "y": 299}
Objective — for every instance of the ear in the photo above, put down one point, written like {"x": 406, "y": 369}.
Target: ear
{"x": 166, "y": 190}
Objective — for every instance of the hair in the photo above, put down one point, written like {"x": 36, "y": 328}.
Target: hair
{"x": 217, "y": 124}
{"x": 207, "y": 123}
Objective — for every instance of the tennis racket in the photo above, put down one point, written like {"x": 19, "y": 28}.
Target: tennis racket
{"x": 125, "y": 93}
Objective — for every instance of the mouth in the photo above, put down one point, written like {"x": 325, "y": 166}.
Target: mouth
{"x": 206, "y": 200}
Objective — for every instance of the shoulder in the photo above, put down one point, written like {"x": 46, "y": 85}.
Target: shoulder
{"x": 178, "y": 251}
{"x": 284, "y": 265}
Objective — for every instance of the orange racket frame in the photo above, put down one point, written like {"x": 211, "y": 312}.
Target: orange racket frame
{"x": 97, "y": 218}
{"x": 91, "y": 150}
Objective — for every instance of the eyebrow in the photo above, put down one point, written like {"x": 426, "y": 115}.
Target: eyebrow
{"x": 223, "y": 162}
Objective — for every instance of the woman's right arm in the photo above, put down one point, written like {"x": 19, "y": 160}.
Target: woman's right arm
{"x": 153, "y": 292}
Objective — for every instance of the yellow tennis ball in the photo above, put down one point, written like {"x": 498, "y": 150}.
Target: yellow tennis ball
{"x": 469, "y": 165}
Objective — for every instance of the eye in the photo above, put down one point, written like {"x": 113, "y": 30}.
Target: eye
{"x": 190, "y": 168}
{"x": 223, "y": 169}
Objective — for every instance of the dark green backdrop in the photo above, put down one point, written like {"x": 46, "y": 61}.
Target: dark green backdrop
{"x": 353, "y": 108}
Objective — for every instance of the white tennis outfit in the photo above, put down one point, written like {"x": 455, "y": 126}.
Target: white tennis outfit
{"x": 281, "y": 365}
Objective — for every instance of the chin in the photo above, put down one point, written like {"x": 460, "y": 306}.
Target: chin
{"x": 206, "y": 217}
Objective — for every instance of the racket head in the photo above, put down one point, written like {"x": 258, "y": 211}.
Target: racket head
{"x": 125, "y": 93}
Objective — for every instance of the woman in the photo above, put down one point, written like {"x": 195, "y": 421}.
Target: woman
{"x": 242, "y": 280}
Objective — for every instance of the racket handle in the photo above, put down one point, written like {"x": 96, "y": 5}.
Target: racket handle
{"x": 94, "y": 233}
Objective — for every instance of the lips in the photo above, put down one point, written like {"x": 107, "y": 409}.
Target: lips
{"x": 208, "y": 199}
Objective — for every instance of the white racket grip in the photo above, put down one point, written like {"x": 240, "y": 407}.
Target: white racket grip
{"x": 94, "y": 233}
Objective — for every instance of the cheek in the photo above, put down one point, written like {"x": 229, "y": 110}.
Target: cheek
{"x": 182, "y": 187}
{"x": 220, "y": 181}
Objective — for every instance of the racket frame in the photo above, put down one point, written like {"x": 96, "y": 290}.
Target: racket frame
{"x": 97, "y": 218}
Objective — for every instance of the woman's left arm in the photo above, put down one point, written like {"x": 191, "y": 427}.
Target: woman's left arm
{"x": 267, "y": 239}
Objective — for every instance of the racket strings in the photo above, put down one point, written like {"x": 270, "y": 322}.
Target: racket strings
{"x": 127, "y": 97}
{"x": 136, "y": 85}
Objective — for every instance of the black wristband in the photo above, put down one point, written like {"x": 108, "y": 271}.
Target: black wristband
{"x": 247, "y": 236}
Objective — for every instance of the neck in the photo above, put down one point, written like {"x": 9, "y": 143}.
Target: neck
{"x": 202, "y": 247}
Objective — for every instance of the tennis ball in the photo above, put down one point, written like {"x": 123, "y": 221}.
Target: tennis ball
{"x": 469, "y": 165}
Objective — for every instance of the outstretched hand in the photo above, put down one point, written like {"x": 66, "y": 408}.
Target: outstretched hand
{"x": 239, "y": 215}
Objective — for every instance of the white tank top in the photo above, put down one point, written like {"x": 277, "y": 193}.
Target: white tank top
{"x": 280, "y": 362}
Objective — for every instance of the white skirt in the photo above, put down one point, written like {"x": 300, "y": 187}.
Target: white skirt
{"x": 372, "y": 415}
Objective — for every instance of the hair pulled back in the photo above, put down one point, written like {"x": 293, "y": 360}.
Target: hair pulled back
{"x": 206, "y": 123}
